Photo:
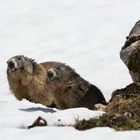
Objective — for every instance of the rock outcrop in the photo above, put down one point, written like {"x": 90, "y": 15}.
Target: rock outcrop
{"x": 130, "y": 52}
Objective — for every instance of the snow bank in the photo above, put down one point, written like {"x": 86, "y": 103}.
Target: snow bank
{"x": 87, "y": 35}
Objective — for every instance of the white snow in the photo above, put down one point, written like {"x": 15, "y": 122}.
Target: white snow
{"x": 87, "y": 35}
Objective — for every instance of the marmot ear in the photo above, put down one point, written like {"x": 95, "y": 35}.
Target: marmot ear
{"x": 32, "y": 60}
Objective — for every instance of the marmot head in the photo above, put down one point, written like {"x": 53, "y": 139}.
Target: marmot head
{"x": 61, "y": 73}
{"x": 51, "y": 75}
{"x": 21, "y": 63}
{"x": 56, "y": 76}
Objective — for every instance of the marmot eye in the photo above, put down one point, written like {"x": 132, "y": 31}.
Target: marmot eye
{"x": 19, "y": 58}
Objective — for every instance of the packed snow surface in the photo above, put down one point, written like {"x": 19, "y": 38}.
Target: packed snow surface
{"x": 85, "y": 34}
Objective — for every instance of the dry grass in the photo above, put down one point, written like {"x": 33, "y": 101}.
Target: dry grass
{"x": 122, "y": 114}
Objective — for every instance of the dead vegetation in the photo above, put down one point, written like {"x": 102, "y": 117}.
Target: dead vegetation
{"x": 38, "y": 122}
{"x": 123, "y": 111}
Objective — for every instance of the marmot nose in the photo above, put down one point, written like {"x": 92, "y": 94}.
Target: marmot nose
{"x": 11, "y": 64}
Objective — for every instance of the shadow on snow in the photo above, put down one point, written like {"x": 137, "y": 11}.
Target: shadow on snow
{"x": 34, "y": 109}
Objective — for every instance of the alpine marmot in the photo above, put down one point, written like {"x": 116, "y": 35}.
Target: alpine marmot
{"x": 27, "y": 79}
{"x": 69, "y": 90}
{"x": 52, "y": 84}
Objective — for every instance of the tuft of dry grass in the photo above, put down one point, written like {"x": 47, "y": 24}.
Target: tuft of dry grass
{"x": 121, "y": 114}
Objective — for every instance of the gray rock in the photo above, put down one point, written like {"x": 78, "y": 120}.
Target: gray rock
{"x": 130, "y": 52}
